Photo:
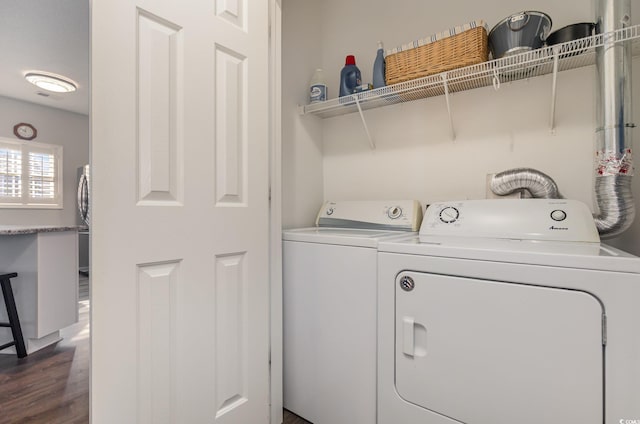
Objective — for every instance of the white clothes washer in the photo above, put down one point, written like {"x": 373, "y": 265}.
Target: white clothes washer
{"x": 329, "y": 289}
{"x": 493, "y": 315}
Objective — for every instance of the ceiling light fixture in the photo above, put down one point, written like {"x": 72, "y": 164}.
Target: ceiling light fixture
{"x": 51, "y": 82}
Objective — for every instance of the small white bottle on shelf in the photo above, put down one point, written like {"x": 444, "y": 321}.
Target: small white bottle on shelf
{"x": 317, "y": 87}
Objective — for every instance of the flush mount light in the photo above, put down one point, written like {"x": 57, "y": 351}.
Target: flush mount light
{"x": 51, "y": 82}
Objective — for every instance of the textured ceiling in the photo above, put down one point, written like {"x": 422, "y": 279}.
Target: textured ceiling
{"x": 45, "y": 35}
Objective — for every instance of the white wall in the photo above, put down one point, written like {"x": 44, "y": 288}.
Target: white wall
{"x": 496, "y": 130}
{"x": 67, "y": 129}
{"x": 302, "y": 187}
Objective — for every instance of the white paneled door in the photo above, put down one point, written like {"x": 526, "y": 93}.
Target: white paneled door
{"x": 180, "y": 219}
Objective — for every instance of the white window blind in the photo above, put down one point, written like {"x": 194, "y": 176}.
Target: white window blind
{"x": 30, "y": 174}
{"x": 10, "y": 173}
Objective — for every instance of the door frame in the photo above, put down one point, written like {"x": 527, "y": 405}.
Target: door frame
{"x": 275, "y": 210}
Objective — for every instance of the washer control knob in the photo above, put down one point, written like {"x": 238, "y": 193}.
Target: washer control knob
{"x": 330, "y": 211}
{"x": 394, "y": 212}
{"x": 449, "y": 215}
{"x": 558, "y": 215}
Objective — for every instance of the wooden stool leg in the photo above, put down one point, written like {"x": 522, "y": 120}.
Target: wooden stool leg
{"x": 14, "y": 321}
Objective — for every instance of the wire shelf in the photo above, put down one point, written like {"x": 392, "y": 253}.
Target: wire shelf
{"x": 570, "y": 55}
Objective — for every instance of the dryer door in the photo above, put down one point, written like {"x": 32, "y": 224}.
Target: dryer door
{"x": 486, "y": 352}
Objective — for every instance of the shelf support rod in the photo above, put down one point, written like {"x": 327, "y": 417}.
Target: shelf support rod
{"x": 364, "y": 122}
{"x": 552, "y": 117}
{"x": 446, "y": 96}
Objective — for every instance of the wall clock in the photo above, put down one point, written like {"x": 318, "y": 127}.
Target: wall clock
{"x": 25, "y": 131}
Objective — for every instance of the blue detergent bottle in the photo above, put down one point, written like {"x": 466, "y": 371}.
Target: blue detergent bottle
{"x": 350, "y": 77}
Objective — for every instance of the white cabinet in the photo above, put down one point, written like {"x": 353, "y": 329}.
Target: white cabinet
{"x": 46, "y": 289}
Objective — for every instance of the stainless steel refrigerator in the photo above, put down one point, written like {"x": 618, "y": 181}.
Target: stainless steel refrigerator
{"x": 84, "y": 218}
{"x": 83, "y": 194}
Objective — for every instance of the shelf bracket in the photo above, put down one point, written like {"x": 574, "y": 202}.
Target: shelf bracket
{"x": 364, "y": 122}
{"x": 496, "y": 79}
{"x": 446, "y": 96}
{"x": 552, "y": 117}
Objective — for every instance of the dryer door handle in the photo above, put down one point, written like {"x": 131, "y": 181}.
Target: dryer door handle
{"x": 408, "y": 340}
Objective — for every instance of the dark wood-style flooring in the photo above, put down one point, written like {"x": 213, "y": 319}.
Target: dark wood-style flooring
{"x": 291, "y": 418}
{"x": 51, "y": 386}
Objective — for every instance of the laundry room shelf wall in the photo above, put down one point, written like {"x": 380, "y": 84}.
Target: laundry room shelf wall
{"x": 547, "y": 60}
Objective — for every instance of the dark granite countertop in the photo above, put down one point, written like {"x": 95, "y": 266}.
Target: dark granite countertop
{"x": 8, "y": 230}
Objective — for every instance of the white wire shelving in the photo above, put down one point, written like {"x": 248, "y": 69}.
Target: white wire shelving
{"x": 543, "y": 61}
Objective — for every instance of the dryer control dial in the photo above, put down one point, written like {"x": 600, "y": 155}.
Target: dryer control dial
{"x": 449, "y": 214}
{"x": 558, "y": 215}
{"x": 394, "y": 212}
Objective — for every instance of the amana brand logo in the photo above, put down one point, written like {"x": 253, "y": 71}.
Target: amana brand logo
{"x": 623, "y": 421}
{"x": 553, "y": 227}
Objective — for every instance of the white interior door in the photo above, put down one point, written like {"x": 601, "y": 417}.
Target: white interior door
{"x": 180, "y": 300}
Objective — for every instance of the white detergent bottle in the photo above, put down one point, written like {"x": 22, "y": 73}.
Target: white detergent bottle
{"x": 379, "y": 68}
{"x": 318, "y": 87}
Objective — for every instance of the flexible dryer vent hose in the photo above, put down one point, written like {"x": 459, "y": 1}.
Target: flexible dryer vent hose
{"x": 539, "y": 184}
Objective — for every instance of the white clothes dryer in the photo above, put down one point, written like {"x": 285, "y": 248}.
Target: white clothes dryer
{"x": 523, "y": 327}
{"x": 330, "y": 309}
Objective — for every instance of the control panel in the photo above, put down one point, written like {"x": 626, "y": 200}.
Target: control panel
{"x": 402, "y": 215}
{"x": 527, "y": 219}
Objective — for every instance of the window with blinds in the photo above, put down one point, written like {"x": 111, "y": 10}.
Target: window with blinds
{"x": 30, "y": 174}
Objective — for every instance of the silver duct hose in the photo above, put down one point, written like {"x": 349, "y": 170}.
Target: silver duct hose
{"x": 615, "y": 200}
{"x": 537, "y": 183}
{"x": 613, "y": 130}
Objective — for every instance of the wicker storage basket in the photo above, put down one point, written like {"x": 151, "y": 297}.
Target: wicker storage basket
{"x": 464, "y": 49}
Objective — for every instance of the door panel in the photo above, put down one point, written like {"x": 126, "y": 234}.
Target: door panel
{"x": 230, "y": 126}
{"x": 484, "y": 352}
{"x": 160, "y": 52}
{"x": 180, "y": 300}
{"x": 157, "y": 285}
{"x": 231, "y": 332}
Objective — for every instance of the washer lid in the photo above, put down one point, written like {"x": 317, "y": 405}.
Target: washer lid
{"x": 594, "y": 256}
{"x": 342, "y": 236}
